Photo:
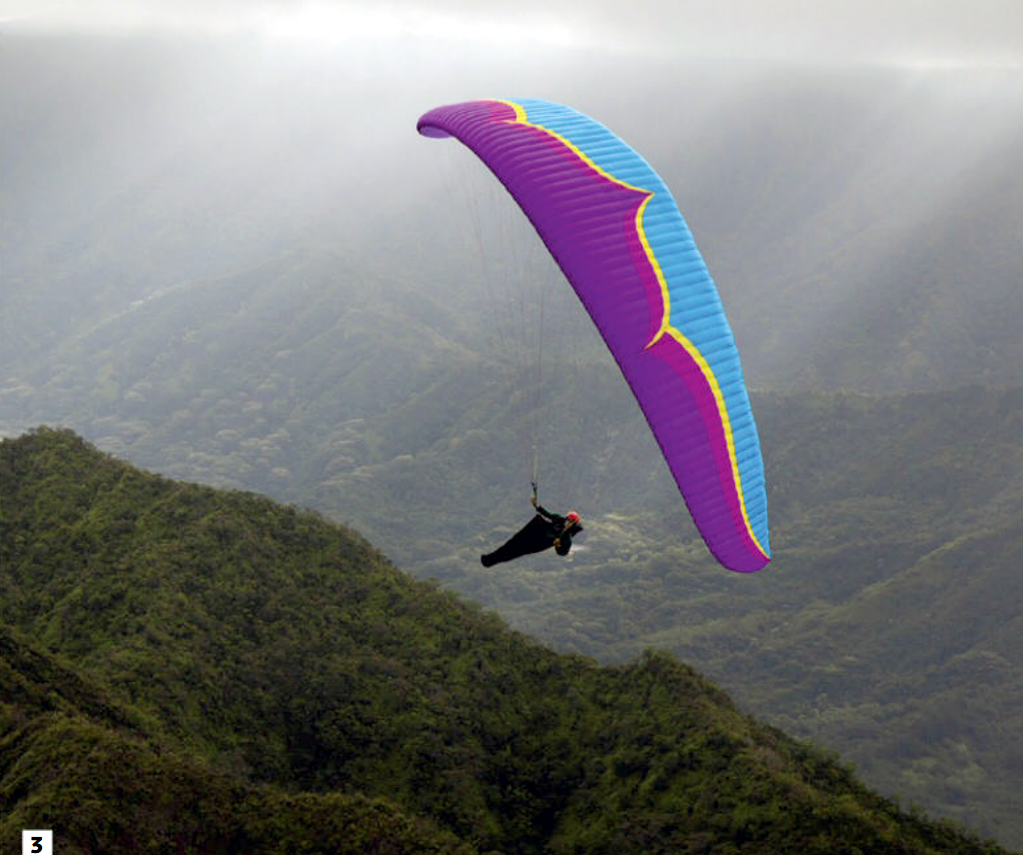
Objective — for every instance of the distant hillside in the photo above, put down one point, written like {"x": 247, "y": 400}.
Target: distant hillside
{"x": 860, "y": 241}
{"x": 194, "y": 670}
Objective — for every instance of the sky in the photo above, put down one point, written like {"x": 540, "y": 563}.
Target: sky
{"x": 947, "y": 33}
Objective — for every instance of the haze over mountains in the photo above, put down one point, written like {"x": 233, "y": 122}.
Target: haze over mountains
{"x": 876, "y": 202}
{"x": 243, "y": 267}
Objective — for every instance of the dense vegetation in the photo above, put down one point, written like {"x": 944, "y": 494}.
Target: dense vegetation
{"x": 194, "y": 670}
{"x": 102, "y": 777}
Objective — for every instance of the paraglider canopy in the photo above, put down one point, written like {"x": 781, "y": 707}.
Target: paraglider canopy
{"x": 621, "y": 241}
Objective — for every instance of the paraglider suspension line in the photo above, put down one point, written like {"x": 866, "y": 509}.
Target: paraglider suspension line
{"x": 537, "y": 398}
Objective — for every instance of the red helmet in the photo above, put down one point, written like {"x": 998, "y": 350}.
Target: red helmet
{"x": 572, "y": 517}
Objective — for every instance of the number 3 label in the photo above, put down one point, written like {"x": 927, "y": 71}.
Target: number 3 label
{"x": 37, "y": 842}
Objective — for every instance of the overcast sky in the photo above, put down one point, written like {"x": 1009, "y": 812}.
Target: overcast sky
{"x": 927, "y": 32}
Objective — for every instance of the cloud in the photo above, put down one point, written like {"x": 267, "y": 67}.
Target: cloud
{"x": 891, "y": 31}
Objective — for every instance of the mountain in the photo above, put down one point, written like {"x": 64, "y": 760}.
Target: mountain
{"x": 194, "y": 670}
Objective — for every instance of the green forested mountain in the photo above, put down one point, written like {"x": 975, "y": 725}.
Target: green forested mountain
{"x": 202, "y": 671}
{"x": 105, "y": 779}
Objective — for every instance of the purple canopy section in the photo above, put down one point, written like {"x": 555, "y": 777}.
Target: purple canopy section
{"x": 592, "y": 222}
